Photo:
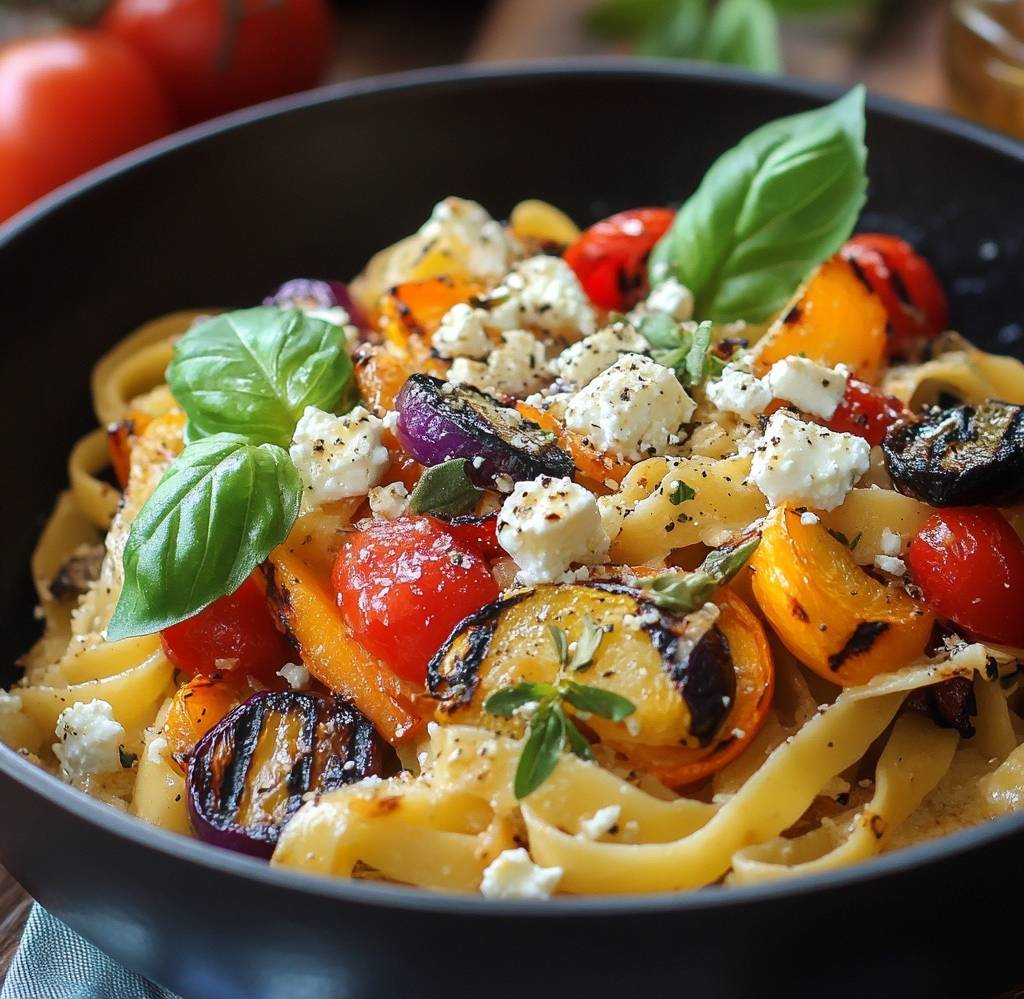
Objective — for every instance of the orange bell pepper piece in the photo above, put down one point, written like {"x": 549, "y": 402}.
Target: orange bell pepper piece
{"x": 837, "y": 319}
{"x": 196, "y": 707}
{"x": 835, "y": 618}
{"x": 411, "y": 311}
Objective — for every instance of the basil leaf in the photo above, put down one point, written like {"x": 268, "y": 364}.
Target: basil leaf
{"x": 254, "y": 372}
{"x": 504, "y": 702}
{"x": 560, "y": 640}
{"x": 676, "y": 33}
{"x": 541, "y": 752}
{"x": 586, "y": 646}
{"x": 218, "y": 511}
{"x": 445, "y": 489}
{"x": 723, "y": 563}
{"x": 597, "y": 701}
{"x": 577, "y": 742}
{"x": 680, "y": 492}
{"x": 661, "y": 331}
{"x": 743, "y": 33}
{"x": 696, "y": 356}
{"x": 767, "y": 212}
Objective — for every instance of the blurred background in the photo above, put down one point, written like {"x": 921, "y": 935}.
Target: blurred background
{"x": 82, "y": 81}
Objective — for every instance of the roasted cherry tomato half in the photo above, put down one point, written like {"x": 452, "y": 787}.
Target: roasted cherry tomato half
{"x": 404, "y": 584}
{"x": 915, "y": 301}
{"x": 479, "y": 533}
{"x": 237, "y": 627}
{"x": 610, "y": 258}
{"x": 866, "y": 412}
{"x": 969, "y": 564}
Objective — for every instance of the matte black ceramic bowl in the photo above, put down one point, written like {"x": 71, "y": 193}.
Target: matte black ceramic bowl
{"x": 312, "y": 186}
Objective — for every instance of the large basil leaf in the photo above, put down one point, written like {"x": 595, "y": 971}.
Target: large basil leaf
{"x": 743, "y": 33}
{"x": 215, "y": 515}
{"x": 768, "y": 211}
{"x": 254, "y": 372}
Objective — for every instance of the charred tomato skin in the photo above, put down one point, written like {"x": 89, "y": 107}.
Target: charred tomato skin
{"x": 969, "y": 565}
{"x": 323, "y": 741}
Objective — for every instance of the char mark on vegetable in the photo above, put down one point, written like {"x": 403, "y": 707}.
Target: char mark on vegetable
{"x": 860, "y": 642}
{"x": 950, "y": 704}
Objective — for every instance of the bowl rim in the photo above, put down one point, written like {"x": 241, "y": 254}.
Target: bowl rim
{"x": 377, "y": 895}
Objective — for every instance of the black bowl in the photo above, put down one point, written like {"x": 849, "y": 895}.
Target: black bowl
{"x": 311, "y": 186}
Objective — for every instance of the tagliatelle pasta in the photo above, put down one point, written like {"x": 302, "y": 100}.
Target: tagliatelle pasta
{"x": 537, "y": 560}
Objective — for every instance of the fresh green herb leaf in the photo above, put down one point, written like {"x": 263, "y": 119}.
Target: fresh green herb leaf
{"x": 680, "y": 594}
{"x": 542, "y": 749}
{"x": 586, "y": 645}
{"x": 722, "y": 564}
{"x": 506, "y": 701}
{"x": 255, "y": 371}
{"x": 577, "y": 742}
{"x": 127, "y": 759}
{"x": 696, "y": 356}
{"x": 661, "y": 331}
{"x": 626, "y": 18}
{"x": 839, "y": 536}
{"x": 680, "y": 492}
{"x": 677, "y": 33}
{"x": 218, "y": 511}
{"x": 743, "y": 33}
{"x": 560, "y": 640}
{"x": 856, "y": 541}
{"x": 767, "y": 212}
{"x": 445, "y": 489}
{"x": 596, "y": 701}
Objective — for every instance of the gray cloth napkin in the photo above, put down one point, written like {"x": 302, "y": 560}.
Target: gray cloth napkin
{"x": 54, "y": 962}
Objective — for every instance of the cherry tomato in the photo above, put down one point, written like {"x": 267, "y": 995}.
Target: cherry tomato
{"x": 914, "y": 300}
{"x": 239, "y": 626}
{"x": 610, "y": 258}
{"x": 69, "y": 102}
{"x": 404, "y": 584}
{"x": 969, "y": 563}
{"x": 215, "y": 56}
{"x": 478, "y": 533}
{"x": 866, "y": 412}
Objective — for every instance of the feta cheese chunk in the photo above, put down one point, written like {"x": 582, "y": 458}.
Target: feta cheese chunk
{"x": 543, "y": 292}
{"x": 672, "y": 297}
{"x": 738, "y": 391}
{"x": 512, "y": 874}
{"x": 390, "y": 501}
{"x": 808, "y": 385}
{"x": 809, "y": 519}
{"x": 516, "y": 367}
{"x": 798, "y": 462}
{"x": 466, "y": 230}
{"x": 633, "y": 409}
{"x": 584, "y": 360}
{"x": 338, "y": 456}
{"x": 89, "y": 738}
{"x": 601, "y": 822}
{"x": 295, "y": 675}
{"x": 893, "y": 566}
{"x": 548, "y": 524}
{"x": 891, "y": 542}
{"x": 461, "y": 333}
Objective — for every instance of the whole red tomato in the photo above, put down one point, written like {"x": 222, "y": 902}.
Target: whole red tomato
{"x": 214, "y": 56}
{"x": 69, "y": 102}
{"x": 404, "y": 584}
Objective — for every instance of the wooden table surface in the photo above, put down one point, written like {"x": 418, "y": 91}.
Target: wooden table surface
{"x": 900, "y": 58}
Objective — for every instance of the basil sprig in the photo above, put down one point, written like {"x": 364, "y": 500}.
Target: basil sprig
{"x": 681, "y": 594}
{"x": 256, "y": 370}
{"x": 233, "y": 494}
{"x": 767, "y": 212}
{"x": 687, "y": 351}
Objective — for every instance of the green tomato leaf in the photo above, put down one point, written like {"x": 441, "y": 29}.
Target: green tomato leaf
{"x": 254, "y": 371}
{"x": 743, "y": 33}
{"x": 504, "y": 702}
{"x": 218, "y": 511}
{"x": 541, "y": 752}
{"x": 596, "y": 700}
{"x": 767, "y": 212}
{"x": 445, "y": 489}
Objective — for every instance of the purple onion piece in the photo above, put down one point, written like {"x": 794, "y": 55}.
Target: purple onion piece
{"x": 438, "y": 421}
{"x": 310, "y": 293}
{"x": 306, "y": 741}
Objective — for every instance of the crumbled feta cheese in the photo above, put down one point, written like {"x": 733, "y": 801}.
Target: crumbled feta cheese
{"x": 465, "y": 228}
{"x": 893, "y": 566}
{"x": 739, "y": 391}
{"x": 461, "y": 333}
{"x": 632, "y": 409}
{"x": 390, "y": 501}
{"x": 512, "y": 874}
{"x": 601, "y": 822}
{"x": 801, "y": 462}
{"x": 9, "y": 703}
{"x": 89, "y": 738}
{"x": 809, "y": 519}
{"x": 548, "y": 524}
{"x": 808, "y": 385}
{"x": 516, "y": 367}
{"x": 672, "y": 297}
{"x": 156, "y": 750}
{"x": 584, "y": 360}
{"x": 891, "y": 542}
{"x": 338, "y": 456}
{"x": 542, "y": 292}
{"x": 295, "y": 675}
